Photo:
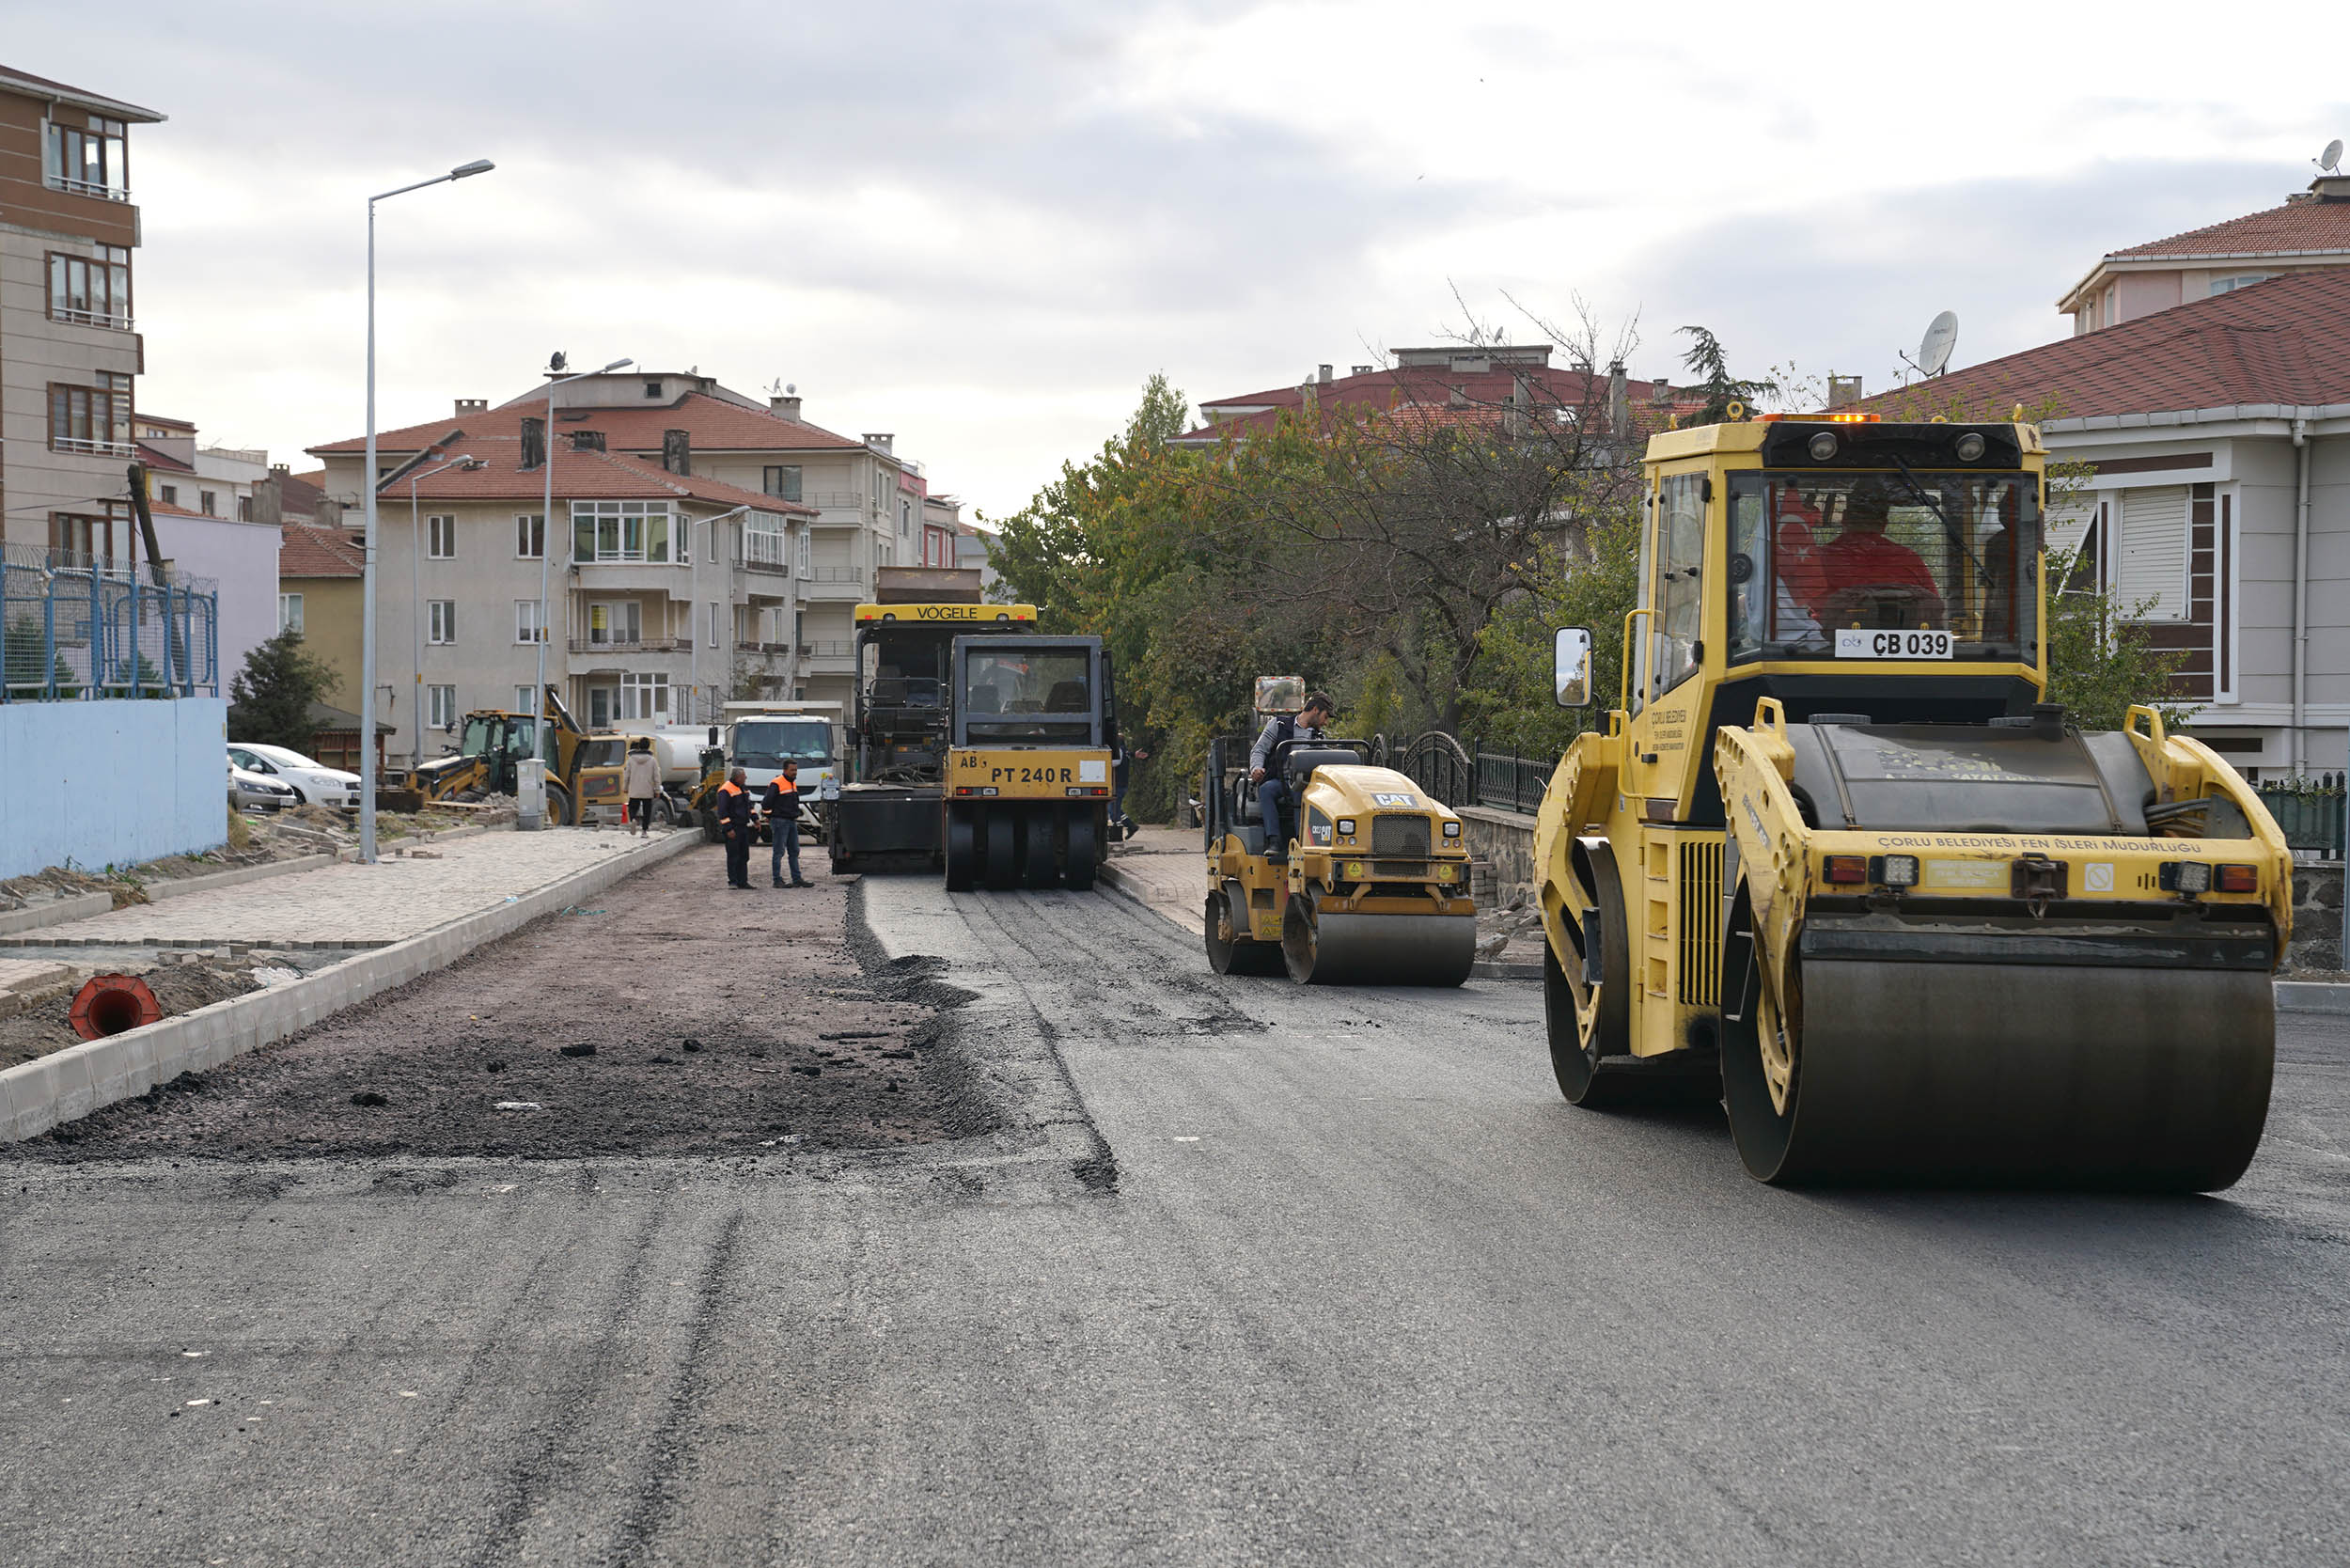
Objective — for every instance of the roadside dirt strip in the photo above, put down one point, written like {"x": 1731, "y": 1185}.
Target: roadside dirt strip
{"x": 665, "y": 1015}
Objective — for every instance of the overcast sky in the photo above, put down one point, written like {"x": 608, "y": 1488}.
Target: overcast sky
{"x": 981, "y": 225}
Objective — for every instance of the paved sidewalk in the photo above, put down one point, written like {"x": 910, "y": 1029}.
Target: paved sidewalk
{"x": 349, "y": 906}
{"x": 1163, "y": 869}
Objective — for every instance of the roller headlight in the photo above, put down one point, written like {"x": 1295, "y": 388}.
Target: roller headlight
{"x": 1822, "y": 446}
{"x": 1346, "y": 826}
{"x": 1969, "y": 446}
{"x": 1894, "y": 870}
{"x": 1452, "y": 830}
{"x": 2184, "y": 876}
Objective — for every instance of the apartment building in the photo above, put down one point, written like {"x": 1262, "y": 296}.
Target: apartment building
{"x": 2310, "y": 232}
{"x": 70, "y": 349}
{"x": 656, "y": 618}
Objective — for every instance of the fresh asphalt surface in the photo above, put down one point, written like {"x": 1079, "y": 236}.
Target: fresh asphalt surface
{"x": 1364, "y": 1291}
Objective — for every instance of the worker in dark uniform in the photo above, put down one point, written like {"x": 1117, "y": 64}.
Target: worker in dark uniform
{"x": 735, "y": 826}
{"x": 1306, "y": 725}
{"x": 782, "y": 805}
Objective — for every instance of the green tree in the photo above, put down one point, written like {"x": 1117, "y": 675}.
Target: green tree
{"x": 1708, "y": 362}
{"x": 21, "y": 648}
{"x": 269, "y": 699}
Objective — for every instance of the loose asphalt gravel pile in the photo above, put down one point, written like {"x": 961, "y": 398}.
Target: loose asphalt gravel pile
{"x": 668, "y": 1016}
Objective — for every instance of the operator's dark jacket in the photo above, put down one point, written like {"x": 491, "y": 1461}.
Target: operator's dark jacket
{"x": 782, "y": 801}
{"x": 734, "y": 809}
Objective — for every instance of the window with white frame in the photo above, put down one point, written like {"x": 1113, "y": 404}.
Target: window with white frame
{"x": 621, "y": 531}
{"x": 614, "y": 622}
{"x": 644, "y": 697}
{"x": 440, "y": 621}
{"x": 782, "y": 480}
{"x": 530, "y": 536}
{"x": 2241, "y": 280}
{"x": 806, "y": 554}
{"x": 440, "y": 707}
{"x": 522, "y": 699}
{"x": 905, "y": 517}
{"x": 441, "y": 538}
{"x": 764, "y": 541}
{"x": 527, "y": 627}
{"x": 290, "y": 613}
{"x": 716, "y": 625}
{"x": 2150, "y": 568}
{"x": 208, "y": 502}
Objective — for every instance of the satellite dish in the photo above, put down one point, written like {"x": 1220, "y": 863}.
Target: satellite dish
{"x": 2329, "y": 161}
{"x": 557, "y": 365}
{"x": 1934, "y": 351}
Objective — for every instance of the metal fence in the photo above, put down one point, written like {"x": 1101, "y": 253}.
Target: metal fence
{"x": 1459, "y": 774}
{"x": 2309, "y": 811}
{"x": 74, "y": 629}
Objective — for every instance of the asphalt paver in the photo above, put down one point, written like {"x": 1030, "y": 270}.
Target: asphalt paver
{"x": 1242, "y": 1272}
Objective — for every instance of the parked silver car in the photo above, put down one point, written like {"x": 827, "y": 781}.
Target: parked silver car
{"x": 250, "y": 792}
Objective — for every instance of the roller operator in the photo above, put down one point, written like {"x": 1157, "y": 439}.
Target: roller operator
{"x": 1307, "y": 724}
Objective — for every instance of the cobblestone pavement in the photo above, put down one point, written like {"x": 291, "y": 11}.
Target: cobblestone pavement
{"x": 349, "y": 906}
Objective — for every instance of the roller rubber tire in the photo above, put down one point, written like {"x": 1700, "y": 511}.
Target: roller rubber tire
{"x": 1579, "y": 1064}
{"x": 1037, "y": 867}
{"x": 963, "y": 850}
{"x": 1001, "y": 872}
{"x": 1237, "y": 957}
{"x": 1085, "y": 851}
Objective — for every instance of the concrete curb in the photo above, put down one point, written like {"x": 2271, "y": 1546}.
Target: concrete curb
{"x": 2313, "y": 996}
{"x": 1488, "y": 969}
{"x": 172, "y": 887}
{"x": 36, "y": 1095}
{"x": 1111, "y": 877}
{"x": 57, "y": 913}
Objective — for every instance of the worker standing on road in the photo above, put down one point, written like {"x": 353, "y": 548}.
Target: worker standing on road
{"x": 1307, "y": 725}
{"x": 640, "y": 780}
{"x": 1126, "y": 825}
{"x": 734, "y": 825}
{"x": 782, "y": 806}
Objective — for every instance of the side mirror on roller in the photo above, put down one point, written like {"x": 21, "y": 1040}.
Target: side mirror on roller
{"x": 1571, "y": 666}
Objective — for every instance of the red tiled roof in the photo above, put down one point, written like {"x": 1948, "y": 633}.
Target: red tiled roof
{"x": 306, "y": 552}
{"x": 155, "y": 457}
{"x": 299, "y": 495}
{"x": 2298, "y": 226}
{"x": 712, "y": 424}
{"x": 578, "y": 475}
{"x": 1423, "y": 394}
{"x": 2283, "y": 341}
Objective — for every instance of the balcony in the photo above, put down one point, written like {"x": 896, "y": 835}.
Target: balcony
{"x": 671, "y": 578}
{"x": 640, "y": 645}
{"x": 842, "y": 584}
{"x": 761, "y": 552}
{"x": 93, "y": 448}
{"x": 90, "y": 318}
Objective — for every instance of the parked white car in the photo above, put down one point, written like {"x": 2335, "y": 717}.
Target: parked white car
{"x": 250, "y": 792}
{"x": 311, "y": 782}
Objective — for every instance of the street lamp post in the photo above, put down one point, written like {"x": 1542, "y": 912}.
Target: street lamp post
{"x": 415, "y": 608}
{"x": 366, "y": 588}
{"x": 547, "y": 537}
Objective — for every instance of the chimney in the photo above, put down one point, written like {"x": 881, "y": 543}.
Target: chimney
{"x": 1322, "y": 374}
{"x": 586, "y": 441}
{"x": 1842, "y": 391}
{"x": 534, "y": 442}
{"x": 789, "y": 407}
{"x": 1309, "y": 396}
{"x": 473, "y": 405}
{"x": 880, "y": 442}
{"x": 1458, "y": 397}
{"x": 677, "y": 452}
{"x": 268, "y": 495}
{"x": 1521, "y": 392}
{"x": 1362, "y": 370}
{"x": 1618, "y": 400}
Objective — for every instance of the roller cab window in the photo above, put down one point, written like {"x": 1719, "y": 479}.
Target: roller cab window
{"x": 1028, "y": 695}
{"x": 1813, "y": 555}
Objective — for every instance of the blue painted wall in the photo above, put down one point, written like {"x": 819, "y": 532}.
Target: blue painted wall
{"x": 111, "y": 783}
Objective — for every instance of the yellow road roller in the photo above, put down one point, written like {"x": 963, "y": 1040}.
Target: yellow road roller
{"x": 1365, "y": 883}
{"x": 1833, "y": 859}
